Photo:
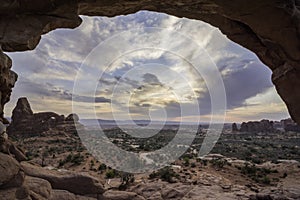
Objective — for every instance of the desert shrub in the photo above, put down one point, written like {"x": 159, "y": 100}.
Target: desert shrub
{"x": 265, "y": 180}
{"x": 204, "y": 162}
{"x": 259, "y": 175}
{"x": 193, "y": 165}
{"x": 256, "y": 160}
{"x": 284, "y": 175}
{"x": 248, "y": 170}
{"x": 165, "y": 174}
{"x": 102, "y": 167}
{"x": 111, "y": 173}
{"x": 186, "y": 161}
{"x": 69, "y": 158}
{"x": 218, "y": 163}
{"x": 77, "y": 159}
{"x": 127, "y": 179}
{"x": 61, "y": 163}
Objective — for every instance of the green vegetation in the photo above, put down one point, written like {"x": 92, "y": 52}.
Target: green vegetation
{"x": 111, "y": 174}
{"x": 165, "y": 174}
{"x": 218, "y": 163}
{"x": 259, "y": 175}
{"x": 76, "y": 159}
{"x": 127, "y": 179}
{"x": 186, "y": 161}
{"x": 102, "y": 167}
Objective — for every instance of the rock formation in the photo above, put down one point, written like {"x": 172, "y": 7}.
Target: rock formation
{"x": 25, "y": 123}
{"x": 7, "y": 82}
{"x": 75, "y": 183}
{"x": 26, "y": 181}
{"x": 234, "y": 128}
{"x": 257, "y": 126}
{"x": 290, "y": 125}
{"x": 269, "y": 28}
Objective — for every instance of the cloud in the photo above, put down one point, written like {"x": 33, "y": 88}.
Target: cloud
{"x": 155, "y": 75}
{"x": 151, "y": 79}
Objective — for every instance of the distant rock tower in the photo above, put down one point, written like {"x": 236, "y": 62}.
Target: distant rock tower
{"x": 234, "y": 128}
{"x": 22, "y": 110}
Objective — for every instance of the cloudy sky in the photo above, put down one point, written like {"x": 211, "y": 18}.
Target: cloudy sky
{"x": 141, "y": 66}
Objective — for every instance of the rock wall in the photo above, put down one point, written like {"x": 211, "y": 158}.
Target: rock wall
{"x": 7, "y": 82}
{"x": 270, "y": 28}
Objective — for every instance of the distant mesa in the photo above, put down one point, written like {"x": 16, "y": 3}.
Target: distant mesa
{"x": 266, "y": 126}
{"x": 261, "y": 126}
{"x": 290, "y": 125}
{"x": 26, "y": 123}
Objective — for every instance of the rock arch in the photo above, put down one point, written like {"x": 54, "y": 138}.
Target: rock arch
{"x": 269, "y": 28}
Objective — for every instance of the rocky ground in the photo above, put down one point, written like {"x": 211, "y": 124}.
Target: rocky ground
{"x": 53, "y": 164}
{"x": 212, "y": 177}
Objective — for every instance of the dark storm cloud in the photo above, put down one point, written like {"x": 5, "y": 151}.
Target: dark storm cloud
{"x": 87, "y": 99}
{"x": 128, "y": 81}
{"x": 107, "y": 81}
{"x": 246, "y": 81}
{"x": 151, "y": 79}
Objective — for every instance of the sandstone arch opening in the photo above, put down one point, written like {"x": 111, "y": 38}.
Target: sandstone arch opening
{"x": 268, "y": 28}
{"x": 49, "y": 71}
{"x": 257, "y": 27}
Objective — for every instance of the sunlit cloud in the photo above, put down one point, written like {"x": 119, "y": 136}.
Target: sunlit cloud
{"x": 145, "y": 81}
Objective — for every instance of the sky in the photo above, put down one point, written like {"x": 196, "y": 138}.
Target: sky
{"x": 145, "y": 65}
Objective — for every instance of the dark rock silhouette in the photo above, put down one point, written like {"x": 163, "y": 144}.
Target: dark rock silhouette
{"x": 72, "y": 117}
{"x": 25, "y": 123}
{"x": 7, "y": 82}
{"x": 290, "y": 125}
{"x": 234, "y": 128}
{"x": 257, "y": 126}
{"x": 22, "y": 110}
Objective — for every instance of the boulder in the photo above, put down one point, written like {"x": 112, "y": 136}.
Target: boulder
{"x": 9, "y": 169}
{"x": 65, "y": 195}
{"x": 16, "y": 181}
{"x": 18, "y": 193}
{"x": 8, "y": 147}
{"x": 39, "y": 188}
{"x": 260, "y": 196}
{"x": 2, "y": 128}
{"x": 76, "y": 183}
{"x": 17, "y": 152}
